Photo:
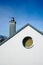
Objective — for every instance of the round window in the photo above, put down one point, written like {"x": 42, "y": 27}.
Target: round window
{"x": 27, "y": 42}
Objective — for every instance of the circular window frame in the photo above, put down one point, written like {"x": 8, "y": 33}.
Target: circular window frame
{"x": 29, "y": 41}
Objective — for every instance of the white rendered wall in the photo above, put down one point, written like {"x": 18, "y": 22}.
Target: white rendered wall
{"x": 13, "y": 52}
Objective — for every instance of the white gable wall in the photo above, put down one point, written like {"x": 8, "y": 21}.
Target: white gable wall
{"x": 13, "y": 52}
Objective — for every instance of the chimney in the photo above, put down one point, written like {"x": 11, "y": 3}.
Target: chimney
{"x": 12, "y": 27}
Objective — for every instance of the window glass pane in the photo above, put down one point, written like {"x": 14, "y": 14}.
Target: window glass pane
{"x": 27, "y": 42}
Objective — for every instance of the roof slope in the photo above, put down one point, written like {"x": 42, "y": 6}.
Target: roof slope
{"x": 19, "y": 31}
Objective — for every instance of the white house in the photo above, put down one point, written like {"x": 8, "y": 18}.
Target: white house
{"x": 14, "y": 52}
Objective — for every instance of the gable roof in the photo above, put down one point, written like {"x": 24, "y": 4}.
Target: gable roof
{"x": 19, "y": 31}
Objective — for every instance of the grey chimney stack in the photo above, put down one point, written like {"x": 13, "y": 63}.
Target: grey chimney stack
{"x": 12, "y": 28}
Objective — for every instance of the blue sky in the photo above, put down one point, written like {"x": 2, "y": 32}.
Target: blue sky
{"x": 24, "y": 11}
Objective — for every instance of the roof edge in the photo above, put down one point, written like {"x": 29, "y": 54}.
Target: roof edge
{"x": 19, "y": 31}
{"x": 35, "y": 29}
